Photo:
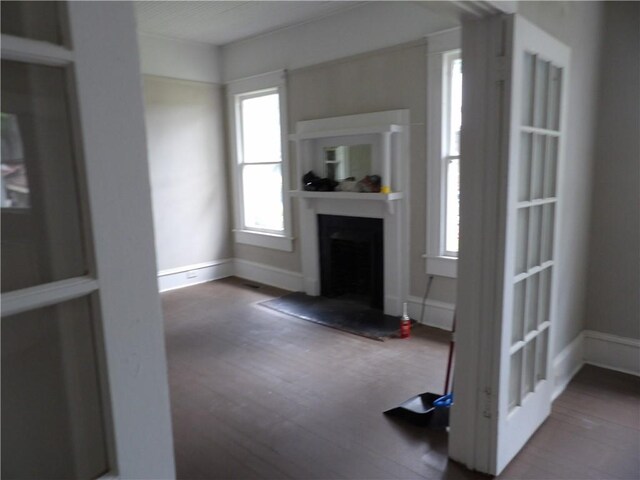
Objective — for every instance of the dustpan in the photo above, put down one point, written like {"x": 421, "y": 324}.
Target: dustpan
{"x": 429, "y": 409}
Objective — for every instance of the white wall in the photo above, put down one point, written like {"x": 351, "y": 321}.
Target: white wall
{"x": 168, "y": 57}
{"x": 613, "y": 301}
{"x": 369, "y": 58}
{"x": 185, "y": 135}
{"x": 577, "y": 24}
{"x": 365, "y": 28}
{"x": 188, "y": 172}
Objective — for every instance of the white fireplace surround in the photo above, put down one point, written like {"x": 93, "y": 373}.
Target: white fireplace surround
{"x": 392, "y": 208}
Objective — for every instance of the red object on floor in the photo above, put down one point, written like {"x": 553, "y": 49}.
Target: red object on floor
{"x": 405, "y": 328}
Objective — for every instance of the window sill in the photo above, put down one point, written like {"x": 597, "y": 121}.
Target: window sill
{"x": 442, "y": 266}
{"x": 264, "y": 240}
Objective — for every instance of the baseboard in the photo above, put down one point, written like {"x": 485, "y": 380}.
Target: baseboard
{"x": 567, "y": 363}
{"x": 613, "y": 352}
{"x": 595, "y": 348}
{"x": 436, "y": 314}
{"x": 189, "y": 275}
{"x": 261, "y": 273}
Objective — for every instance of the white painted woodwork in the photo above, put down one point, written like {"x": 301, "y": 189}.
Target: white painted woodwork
{"x": 111, "y": 115}
{"x": 392, "y": 208}
{"x": 500, "y": 401}
{"x": 275, "y": 81}
{"x": 109, "y": 140}
{"x": 39, "y": 296}
{"x": 43, "y": 53}
{"x": 437, "y": 46}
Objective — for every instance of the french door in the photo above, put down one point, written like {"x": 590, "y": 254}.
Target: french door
{"x": 508, "y": 286}
{"x": 84, "y": 386}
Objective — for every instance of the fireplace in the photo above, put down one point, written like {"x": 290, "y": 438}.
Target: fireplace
{"x": 388, "y": 276}
{"x": 352, "y": 259}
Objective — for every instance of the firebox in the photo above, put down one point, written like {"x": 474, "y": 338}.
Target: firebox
{"x": 351, "y": 259}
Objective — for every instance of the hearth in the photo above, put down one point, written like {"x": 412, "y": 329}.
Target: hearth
{"x": 352, "y": 259}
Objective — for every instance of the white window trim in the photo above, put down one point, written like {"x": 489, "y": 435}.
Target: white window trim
{"x": 267, "y": 239}
{"x": 437, "y": 261}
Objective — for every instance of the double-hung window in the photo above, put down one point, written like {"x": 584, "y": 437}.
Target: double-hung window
{"x": 257, "y": 108}
{"x": 444, "y": 118}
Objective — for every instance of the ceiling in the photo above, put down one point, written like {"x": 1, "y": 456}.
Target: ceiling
{"x": 219, "y": 23}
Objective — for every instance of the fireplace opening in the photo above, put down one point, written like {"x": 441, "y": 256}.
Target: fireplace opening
{"x": 351, "y": 259}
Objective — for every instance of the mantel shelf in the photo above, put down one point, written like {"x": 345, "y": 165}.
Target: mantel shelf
{"x": 344, "y": 132}
{"x": 384, "y": 197}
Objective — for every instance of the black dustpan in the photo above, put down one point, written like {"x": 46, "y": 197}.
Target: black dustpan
{"x": 420, "y": 410}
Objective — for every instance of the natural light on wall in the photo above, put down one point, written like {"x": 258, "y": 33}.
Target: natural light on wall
{"x": 451, "y": 150}
{"x": 261, "y": 162}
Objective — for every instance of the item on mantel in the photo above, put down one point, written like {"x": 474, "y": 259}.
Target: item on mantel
{"x": 313, "y": 183}
{"x": 348, "y": 185}
{"x": 370, "y": 184}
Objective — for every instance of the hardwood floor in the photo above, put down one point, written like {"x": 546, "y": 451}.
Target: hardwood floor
{"x": 257, "y": 394}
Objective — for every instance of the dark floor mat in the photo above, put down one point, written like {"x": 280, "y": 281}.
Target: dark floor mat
{"x": 344, "y": 315}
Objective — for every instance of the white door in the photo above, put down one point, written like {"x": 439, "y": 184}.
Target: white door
{"x": 508, "y": 285}
{"x": 84, "y": 385}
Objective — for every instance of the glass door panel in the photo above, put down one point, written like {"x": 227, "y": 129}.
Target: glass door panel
{"x": 42, "y": 235}
{"x": 534, "y": 224}
{"x": 52, "y": 425}
{"x": 34, "y": 20}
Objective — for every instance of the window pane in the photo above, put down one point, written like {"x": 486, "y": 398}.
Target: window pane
{"x": 519, "y": 307}
{"x": 15, "y": 184}
{"x": 541, "y": 101}
{"x": 452, "y": 216}
{"x": 527, "y": 88}
{"x": 532, "y": 303}
{"x": 41, "y": 229}
{"x": 455, "y": 114}
{"x": 555, "y": 84}
{"x": 34, "y": 20}
{"x": 52, "y": 416}
{"x": 539, "y": 152}
{"x": 524, "y": 167}
{"x": 261, "y": 138}
{"x": 262, "y": 191}
{"x": 522, "y": 239}
{"x": 542, "y": 343}
{"x": 515, "y": 380}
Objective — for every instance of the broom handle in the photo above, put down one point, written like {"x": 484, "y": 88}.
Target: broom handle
{"x": 450, "y": 362}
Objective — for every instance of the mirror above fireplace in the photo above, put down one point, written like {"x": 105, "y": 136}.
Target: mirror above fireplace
{"x": 355, "y": 146}
{"x": 348, "y": 161}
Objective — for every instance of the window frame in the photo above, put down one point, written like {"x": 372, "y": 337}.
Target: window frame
{"x": 237, "y": 91}
{"x": 442, "y": 49}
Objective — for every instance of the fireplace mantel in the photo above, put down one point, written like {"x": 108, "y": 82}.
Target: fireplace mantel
{"x": 388, "y": 198}
{"x": 392, "y": 208}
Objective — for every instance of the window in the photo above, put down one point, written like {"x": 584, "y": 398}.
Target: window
{"x": 452, "y": 121}
{"x": 257, "y": 109}
{"x": 444, "y": 120}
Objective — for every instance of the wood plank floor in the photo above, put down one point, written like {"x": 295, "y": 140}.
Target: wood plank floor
{"x": 257, "y": 394}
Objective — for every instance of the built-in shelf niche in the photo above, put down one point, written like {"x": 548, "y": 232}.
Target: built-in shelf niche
{"x": 384, "y": 131}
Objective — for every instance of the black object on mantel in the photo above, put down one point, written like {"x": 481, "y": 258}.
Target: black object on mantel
{"x": 313, "y": 183}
